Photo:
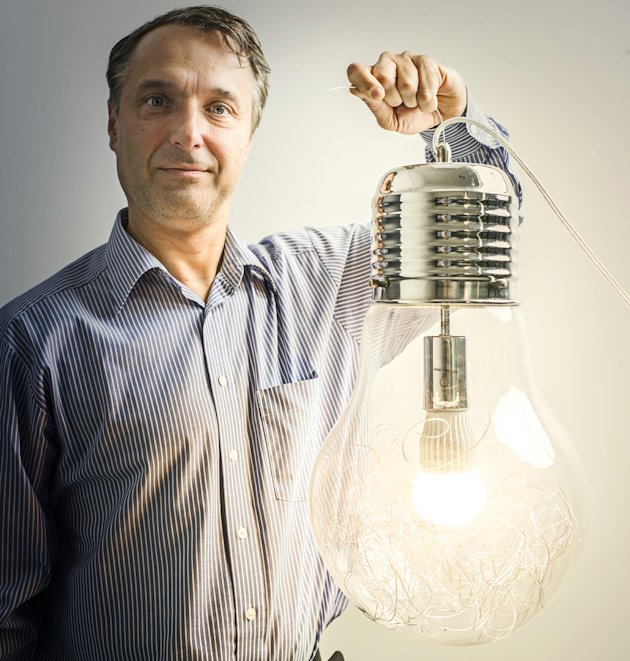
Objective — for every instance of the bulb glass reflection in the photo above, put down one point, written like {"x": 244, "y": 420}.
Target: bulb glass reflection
{"x": 446, "y": 499}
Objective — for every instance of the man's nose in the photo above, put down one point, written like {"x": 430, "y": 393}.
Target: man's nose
{"x": 187, "y": 128}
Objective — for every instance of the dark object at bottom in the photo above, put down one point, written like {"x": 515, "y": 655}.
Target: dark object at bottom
{"x": 337, "y": 656}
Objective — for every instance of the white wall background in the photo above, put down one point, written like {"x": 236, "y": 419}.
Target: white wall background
{"x": 557, "y": 73}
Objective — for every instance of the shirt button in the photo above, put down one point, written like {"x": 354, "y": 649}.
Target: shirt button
{"x": 242, "y": 533}
{"x": 222, "y": 381}
{"x": 233, "y": 455}
{"x": 250, "y": 614}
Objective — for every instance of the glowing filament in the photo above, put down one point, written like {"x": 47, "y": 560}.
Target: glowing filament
{"x": 449, "y": 499}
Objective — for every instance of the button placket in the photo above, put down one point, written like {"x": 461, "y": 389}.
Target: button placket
{"x": 229, "y": 382}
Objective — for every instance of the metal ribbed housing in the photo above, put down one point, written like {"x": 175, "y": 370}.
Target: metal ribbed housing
{"x": 444, "y": 233}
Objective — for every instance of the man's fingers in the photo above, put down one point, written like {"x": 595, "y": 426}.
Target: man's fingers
{"x": 406, "y": 79}
{"x": 403, "y": 91}
{"x": 429, "y": 82}
{"x": 369, "y": 88}
{"x": 386, "y": 72}
{"x": 366, "y": 86}
{"x": 381, "y": 110}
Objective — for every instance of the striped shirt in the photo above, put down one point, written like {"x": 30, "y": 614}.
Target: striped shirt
{"x": 156, "y": 449}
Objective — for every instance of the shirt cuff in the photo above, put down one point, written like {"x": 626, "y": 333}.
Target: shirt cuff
{"x": 465, "y": 139}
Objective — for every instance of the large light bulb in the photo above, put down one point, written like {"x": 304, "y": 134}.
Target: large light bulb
{"x": 446, "y": 499}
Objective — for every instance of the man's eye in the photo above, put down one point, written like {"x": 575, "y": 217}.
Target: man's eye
{"x": 219, "y": 109}
{"x": 155, "y": 101}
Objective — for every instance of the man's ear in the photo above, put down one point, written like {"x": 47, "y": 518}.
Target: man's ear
{"x": 112, "y": 126}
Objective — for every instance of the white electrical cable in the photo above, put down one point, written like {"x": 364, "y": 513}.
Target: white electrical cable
{"x": 567, "y": 224}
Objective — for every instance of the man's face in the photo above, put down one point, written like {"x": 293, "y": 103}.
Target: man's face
{"x": 183, "y": 128}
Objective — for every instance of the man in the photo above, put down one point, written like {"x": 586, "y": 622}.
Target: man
{"x": 164, "y": 397}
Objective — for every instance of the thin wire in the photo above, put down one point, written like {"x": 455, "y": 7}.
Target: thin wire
{"x": 563, "y": 219}
{"x": 440, "y": 122}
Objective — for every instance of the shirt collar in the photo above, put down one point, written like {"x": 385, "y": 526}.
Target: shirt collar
{"x": 128, "y": 261}
{"x": 236, "y": 257}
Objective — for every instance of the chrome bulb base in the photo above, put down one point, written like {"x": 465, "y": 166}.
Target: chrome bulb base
{"x": 445, "y": 233}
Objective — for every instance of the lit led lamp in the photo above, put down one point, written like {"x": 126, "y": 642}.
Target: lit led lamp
{"x": 446, "y": 500}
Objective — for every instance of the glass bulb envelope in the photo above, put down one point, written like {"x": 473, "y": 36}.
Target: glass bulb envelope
{"x": 446, "y": 500}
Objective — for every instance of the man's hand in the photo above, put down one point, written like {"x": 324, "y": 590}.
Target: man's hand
{"x": 405, "y": 91}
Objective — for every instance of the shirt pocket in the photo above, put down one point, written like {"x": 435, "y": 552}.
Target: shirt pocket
{"x": 289, "y": 425}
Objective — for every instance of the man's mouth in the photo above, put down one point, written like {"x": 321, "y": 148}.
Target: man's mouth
{"x": 185, "y": 170}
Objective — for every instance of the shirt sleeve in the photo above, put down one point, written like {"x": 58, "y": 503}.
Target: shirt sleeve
{"x": 345, "y": 253}
{"x": 26, "y": 534}
{"x": 472, "y": 144}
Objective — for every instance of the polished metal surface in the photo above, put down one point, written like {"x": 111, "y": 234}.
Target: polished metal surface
{"x": 445, "y": 373}
{"x": 444, "y": 233}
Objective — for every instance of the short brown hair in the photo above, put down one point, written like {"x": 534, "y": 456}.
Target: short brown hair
{"x": 238, "y": 37}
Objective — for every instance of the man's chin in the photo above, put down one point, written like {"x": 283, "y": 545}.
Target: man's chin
{"x": 183, "y": 209}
